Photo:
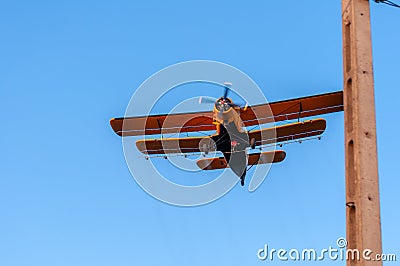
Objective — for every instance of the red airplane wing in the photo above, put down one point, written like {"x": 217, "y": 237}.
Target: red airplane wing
{"x": 252, "y": 115}
{"x": 254, "y": 158}
{"x": 277, "y": 134}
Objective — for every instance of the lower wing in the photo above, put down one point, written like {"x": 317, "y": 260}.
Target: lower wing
{"x": 272, "y": 135}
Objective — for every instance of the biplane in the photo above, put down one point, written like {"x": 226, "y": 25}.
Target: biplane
{"x": 230, "y": 134}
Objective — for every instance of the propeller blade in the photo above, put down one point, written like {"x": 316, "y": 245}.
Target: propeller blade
{"x": 239, "y": 105}
{"x": 226, "y": 92}
{"x": 228, "y": 86}
{"x": 203, "y": 100}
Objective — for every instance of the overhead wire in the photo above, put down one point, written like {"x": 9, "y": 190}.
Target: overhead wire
{"x": 387, "y": 2}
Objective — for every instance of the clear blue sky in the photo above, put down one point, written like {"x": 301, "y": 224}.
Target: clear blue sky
{"x": 66, "y": 68}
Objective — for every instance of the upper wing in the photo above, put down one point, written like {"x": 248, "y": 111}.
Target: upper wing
{"x": 254, "y": 115}
{"x": 294, "y": 108}
{"x": 158, "y": 124}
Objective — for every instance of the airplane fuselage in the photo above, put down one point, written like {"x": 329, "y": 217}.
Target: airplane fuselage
{"x": 231, "y": 139}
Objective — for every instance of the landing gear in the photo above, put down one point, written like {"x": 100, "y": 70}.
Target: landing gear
{"x": 253, "y": 143}
{"x": 242, "y": 179}
{"x": 205, "y": 149}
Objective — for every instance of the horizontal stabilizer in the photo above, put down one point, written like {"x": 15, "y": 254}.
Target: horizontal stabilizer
{"x": 254, "y": 158}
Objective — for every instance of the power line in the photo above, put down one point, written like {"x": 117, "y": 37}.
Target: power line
{"x": 387, "y": 2}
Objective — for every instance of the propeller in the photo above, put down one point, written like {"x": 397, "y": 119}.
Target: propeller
{"x": 228, "y": 86}
{"x": 227, "y": 89}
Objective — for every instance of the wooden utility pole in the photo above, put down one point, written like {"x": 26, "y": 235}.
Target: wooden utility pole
{"x": 363, "y": 227}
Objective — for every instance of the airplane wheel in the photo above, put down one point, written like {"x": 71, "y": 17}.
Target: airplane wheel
{"x": 253, "y": 143}
{"x": 205, "y": 149}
